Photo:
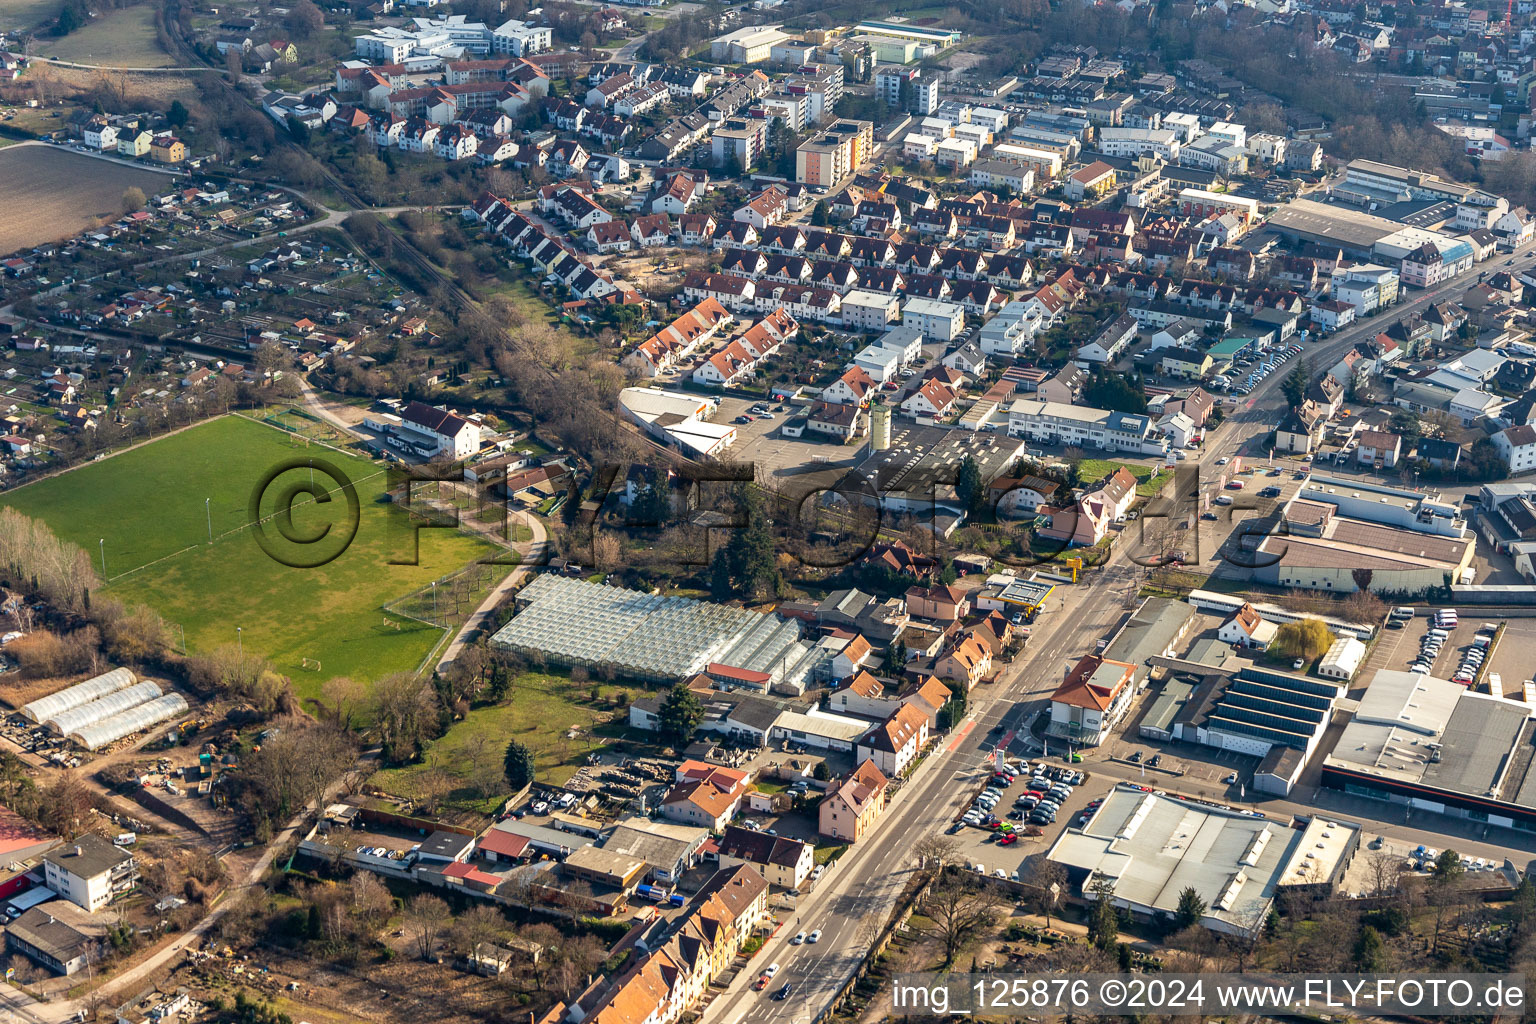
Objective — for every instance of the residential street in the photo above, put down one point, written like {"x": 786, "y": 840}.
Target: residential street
{"x": 869, "y": 878}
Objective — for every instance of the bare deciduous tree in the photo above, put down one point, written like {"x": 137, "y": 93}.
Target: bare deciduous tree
{"x": 425, "y": 916}
{"x": 959, "y": 908}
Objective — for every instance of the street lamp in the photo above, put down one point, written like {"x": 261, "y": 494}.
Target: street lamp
{"x": 240, "y": 639}
{"x": 103, "y": 543}
{"x": 208, "y": 510}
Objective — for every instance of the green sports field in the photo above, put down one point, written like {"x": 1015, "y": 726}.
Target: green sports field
{"x": 153, "y": 505}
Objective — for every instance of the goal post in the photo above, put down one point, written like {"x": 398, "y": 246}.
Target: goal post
{"x": 312, "y": 664}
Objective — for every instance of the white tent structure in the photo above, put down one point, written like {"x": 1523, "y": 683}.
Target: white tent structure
{"x": 126, "y": 723}
{"x": 44, "y": 708}
{"x": 66, "y": 722}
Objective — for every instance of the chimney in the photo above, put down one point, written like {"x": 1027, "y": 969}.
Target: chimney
{"x": 78, "y": 850}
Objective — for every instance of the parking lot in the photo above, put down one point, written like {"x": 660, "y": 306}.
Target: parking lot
{"x": 980, "y": 845}
{"x": 1249, "y": 373}
{"x": 762, "y": 441}
{"x": 1401, "y": 649}
{"x": 1512, "y": 658}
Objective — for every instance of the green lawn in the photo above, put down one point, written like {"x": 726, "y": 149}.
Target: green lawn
{"x": 117, "y": 38}
{"x": 153, "y": 506}
{"x": 541, "y": 712}
{"x": 1148, "y": 481}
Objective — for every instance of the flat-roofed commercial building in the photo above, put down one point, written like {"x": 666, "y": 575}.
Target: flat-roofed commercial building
{"x": 1353, "y": 231}
{"x": 1149, "y": 848}
{"x": 751, "y": 45}
{"x": 1328, "y": 554}
{"x": 1438, "y": 746}
{"x": 1104, "y": 429}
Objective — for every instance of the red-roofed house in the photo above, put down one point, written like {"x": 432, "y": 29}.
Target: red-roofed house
{"x": 1248, "y": 628}
{"x": 894, "y": 744}
{"x": 1092, "y": 699}
{"x": 853, "y": 805}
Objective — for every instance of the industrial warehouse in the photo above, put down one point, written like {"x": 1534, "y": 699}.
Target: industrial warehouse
{"x": 105, "y": 708}
{"x": 1438, "y": 746}
{"x": 1149, "y": 848}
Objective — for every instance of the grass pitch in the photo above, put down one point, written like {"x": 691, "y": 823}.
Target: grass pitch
{"x": 153, "y": 507}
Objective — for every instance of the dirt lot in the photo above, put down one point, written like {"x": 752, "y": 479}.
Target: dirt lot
{"x": 642, "y": 269}
{"x": 405, "y": 989}
{"x": 50, "y": 193}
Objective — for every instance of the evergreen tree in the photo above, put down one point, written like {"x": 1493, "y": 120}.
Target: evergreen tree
{"x": 517, "y": 766}
{"x": 1370, "y": 951}
{"x": 1294, "y": 386}
{"x": 1104, "y": 922}
{"x": 70, "y": 19}
{"x": 1191, "y": 907}
{"x": 681, "y": 712}
{"x": 499, "y": 684}
{"x": 969, "y": 487}
{"x": 746, "y": 566}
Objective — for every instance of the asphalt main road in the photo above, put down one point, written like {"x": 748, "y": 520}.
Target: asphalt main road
{"x": 859, "y": 894}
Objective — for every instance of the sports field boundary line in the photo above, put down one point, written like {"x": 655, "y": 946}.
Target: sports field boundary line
{"x": 104, "y": 456}
{"x": 288, "y": 433}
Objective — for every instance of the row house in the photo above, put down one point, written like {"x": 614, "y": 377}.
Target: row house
{"x": 608, "y": 129}
{"x": 680, "y": 339}
{"x": 927, "y": 286}
{"x": 676, "y": 138}
{"x": 803, "y": 302}
{"x": 610, "y": 236}
{"x": 729, "y": 290}
{"x": 610, "y": 90}
{"x": 740, "y": 356}
{"x": 828, "y": 245}
{"x": 1010, "y": 273}
{"x": 642, "y": 100}
{"x": 782, "y": 238}
{"x": 935, "y": 223}
{"x": 871, "y": 252}
{"x": 993, "y": 234}
{"x": 574, "y": 207}
{"x": 885, "y": 280}
{"x": 456, "y": 142}
{"x": 1053, "y": 241}
{"x": 962, "y": 264}
{"x": 978, "y": 297}
{"x": 835, "y": 275}
{"x": 915, "y": 257}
